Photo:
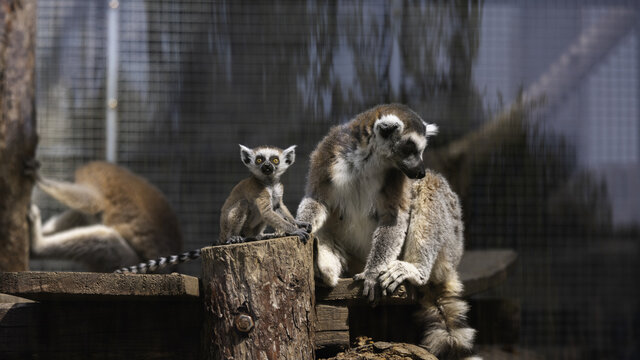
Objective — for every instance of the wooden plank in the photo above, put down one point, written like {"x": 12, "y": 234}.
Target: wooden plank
{"x": 101, "y": 330}
{"x": 331, "y": 318}
{"x": 339, "y": 339}
{"x": 351, "y": 291}
{"x": 70, "y": 286}
{"x": 479, "y": 270}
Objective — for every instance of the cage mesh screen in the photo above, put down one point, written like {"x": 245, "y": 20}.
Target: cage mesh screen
{"x": 559, "y": 185}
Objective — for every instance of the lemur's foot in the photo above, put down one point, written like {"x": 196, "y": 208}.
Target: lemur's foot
{"x": 303, "y": 235}
{"x": 30, "y": 168}
{"x": 304, "y": 226}
{"x": 236, "y": 239}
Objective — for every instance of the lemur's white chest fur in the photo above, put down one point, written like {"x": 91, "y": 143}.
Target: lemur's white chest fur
{"x": 357, "y": 181}
{"x": 275, "y": 193}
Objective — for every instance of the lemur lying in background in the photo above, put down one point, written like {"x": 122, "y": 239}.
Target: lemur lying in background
{"x": 371, "y": 201}
{"x": 116, "y": 219}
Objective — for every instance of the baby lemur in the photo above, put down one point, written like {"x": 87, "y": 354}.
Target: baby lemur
{"x": 256, "y": 202}
{"x": 116, "y": 218}
{"x": 253, "y": 204}
{"x": 371, "y": 202}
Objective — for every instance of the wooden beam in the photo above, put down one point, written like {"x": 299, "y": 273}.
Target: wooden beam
{"x": 479, "y": 270}
{"x": 70, "y": 286}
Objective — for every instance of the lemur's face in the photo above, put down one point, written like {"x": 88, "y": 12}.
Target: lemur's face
{"x": 267, "y": 163}
{"x": 403, "y": 142}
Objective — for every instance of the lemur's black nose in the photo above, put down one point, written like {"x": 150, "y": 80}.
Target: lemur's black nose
{"x": 267, "y": 169}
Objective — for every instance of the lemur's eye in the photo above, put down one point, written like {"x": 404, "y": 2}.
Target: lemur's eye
{"x": 275, "y": 161}
{"x": 259, "y": 160}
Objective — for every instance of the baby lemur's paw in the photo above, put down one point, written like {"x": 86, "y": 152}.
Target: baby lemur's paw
{"x": 236, "y": 239}
{"x": 304, "y": 226}
{"x": 302, "y": 234}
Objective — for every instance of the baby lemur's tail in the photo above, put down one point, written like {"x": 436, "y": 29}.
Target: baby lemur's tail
{"x": 447, "y": 334}
{"x": 161, "y": 262}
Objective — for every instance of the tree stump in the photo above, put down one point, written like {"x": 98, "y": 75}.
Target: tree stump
{"x": 259, "y": 300}
{"x": 17, "y": 128}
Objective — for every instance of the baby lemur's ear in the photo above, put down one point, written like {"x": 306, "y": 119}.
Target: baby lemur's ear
{"x": 289, "y": 154}
{"x": 246, "y": 154}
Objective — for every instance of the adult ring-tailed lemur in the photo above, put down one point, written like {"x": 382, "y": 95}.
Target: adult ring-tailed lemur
{"x": 370, "y": 200}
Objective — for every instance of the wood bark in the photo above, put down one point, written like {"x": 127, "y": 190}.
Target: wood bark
{"x": 17, "y": 128}
{"x": 269, "y": 283}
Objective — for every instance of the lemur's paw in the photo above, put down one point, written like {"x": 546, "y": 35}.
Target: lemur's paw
{"x": 303, "y": 235}
{"x": 304, "y": 226}
{"x": 30, "y": 168}
{"x": 369, "y": 288}
{"x": 396, "y": 273}
{"x": 236, "y": 239}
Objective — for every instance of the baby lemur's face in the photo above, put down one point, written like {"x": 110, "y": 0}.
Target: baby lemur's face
{"x": 267, "y": 163}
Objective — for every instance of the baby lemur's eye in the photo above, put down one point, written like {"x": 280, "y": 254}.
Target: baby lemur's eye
{"x": 259, "y": 160}
{"x": 275, "y": 160}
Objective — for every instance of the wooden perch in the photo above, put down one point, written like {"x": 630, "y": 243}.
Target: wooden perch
{"x": 479, "y": 270}
{"x": 73, "y": 286}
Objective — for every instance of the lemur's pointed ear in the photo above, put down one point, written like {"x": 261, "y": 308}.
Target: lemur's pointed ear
{"x": 388, "y": 125}
{"x": 246, "y": 154}
{"x": 289, "y": 154}
{"x": 432, "y": 129}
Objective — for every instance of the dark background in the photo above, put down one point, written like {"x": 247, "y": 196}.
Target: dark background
{"x": 557, "y": 181}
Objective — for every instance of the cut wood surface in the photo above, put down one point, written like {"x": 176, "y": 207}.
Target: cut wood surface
{"x": 259, "y": 300}
{"x": 479, "y": 270}
{"x": 70, "y": 286}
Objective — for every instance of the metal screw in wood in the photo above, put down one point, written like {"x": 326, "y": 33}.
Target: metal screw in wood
{"x": 244, "y": 323}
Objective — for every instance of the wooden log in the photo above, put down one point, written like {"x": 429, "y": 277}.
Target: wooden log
{"x": 259, "y": 300}
{"x": 479, "y": 270}
{"x": 18, "y": 136}
{"x": 73, "y": 286}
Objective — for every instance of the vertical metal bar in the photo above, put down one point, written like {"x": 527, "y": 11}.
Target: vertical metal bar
{"x": 111, "y": 136}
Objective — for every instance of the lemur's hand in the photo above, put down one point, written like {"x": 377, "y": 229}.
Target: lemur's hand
{"x": 236, "y": 239}
{"x": 304, "y": 225}
{"x": 30, "y": 168}
{"x": 369, "y": 288}
{"x": 396, "y": 273}
{"x": 302, "y": 234}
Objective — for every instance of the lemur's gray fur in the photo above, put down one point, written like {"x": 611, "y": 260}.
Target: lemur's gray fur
{"x": 116, "y": 219}
{"x": 256, "y": 202}
{"x": 365, "y": 209}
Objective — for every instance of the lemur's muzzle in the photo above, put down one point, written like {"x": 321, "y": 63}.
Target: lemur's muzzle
{"x": 267, "y": 169}
{"x": 417, "y": 172}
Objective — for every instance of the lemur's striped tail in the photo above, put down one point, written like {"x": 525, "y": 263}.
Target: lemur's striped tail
{"x": 447, "y": 334}
{"x": 159, "y": 263}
